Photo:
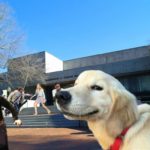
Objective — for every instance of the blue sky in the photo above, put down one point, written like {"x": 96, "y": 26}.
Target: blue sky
{"x": 70, "y": 29}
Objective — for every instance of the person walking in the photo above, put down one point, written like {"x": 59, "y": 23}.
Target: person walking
{"x": 3, "y": 131}
{"x": 16, "y": 97}
{"x": 40, "y": 99}
{"x": 57, "y": 88}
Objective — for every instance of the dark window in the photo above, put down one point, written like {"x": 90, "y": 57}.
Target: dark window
{"x": 145, "y": 83}
{"x": 131, "y": 83}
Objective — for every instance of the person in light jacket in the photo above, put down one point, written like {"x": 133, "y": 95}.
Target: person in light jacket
{"x": 40, "y": 99}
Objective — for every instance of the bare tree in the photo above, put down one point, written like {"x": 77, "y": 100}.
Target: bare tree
{"x": 23, "y": 70}
{"x": 26, "y": 70}
{"x": 10, "y": 36}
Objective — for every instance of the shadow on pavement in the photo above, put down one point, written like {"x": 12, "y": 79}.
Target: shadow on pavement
{"x": 57, "y": 144}
{"x": 51, "y": 139}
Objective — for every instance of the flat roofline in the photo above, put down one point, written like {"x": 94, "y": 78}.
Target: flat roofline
{"x": 27, "y": 55}
{"x": 112, "y": 52}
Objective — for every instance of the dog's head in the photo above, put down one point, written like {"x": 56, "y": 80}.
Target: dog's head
{"x": 94, "y": 95}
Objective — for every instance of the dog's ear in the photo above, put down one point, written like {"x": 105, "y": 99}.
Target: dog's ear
{"x": 121, "y": 98}
{"x": 124, "y": 105}
{"x": 123, "y": 112}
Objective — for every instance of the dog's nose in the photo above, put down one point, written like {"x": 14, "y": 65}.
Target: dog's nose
{"x": 63, "y": 97}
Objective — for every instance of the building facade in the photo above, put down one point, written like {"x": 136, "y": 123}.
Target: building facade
{"x": 130, "y": 66}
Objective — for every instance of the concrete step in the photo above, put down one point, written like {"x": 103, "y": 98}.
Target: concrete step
{"x": 44, "y": 120}
{"x": 41, "y": 110}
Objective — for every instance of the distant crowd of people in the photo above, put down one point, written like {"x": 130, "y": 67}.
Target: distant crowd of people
{"x": 16, "y": 99}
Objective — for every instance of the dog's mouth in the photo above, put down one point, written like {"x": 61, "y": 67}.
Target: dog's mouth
{"x": 82, "y": 115}
{"x": 78, "y": 111}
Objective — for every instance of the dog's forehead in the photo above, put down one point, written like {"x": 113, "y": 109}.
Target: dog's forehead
{"x": 92, "y": 75}
{"x": 97, "y": 76}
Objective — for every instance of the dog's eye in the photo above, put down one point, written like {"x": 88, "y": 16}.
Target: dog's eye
{"x": 96, "y": 87}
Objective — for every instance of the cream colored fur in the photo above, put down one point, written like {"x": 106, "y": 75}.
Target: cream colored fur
{"x": 117, "y": 110}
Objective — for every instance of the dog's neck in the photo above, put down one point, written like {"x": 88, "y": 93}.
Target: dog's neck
{"x": 107, "y": 130}
{"x": 100, "y": 132}
{"x": 104, "y": 133}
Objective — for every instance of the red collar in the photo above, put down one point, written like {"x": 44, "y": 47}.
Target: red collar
{"x": 118, "y": 141}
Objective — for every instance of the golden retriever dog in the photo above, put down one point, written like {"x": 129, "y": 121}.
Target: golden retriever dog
{"x": 109, "y": 110}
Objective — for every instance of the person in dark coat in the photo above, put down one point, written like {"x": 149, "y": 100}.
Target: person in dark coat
{"x": 17, "y": 98}
{"x": 3, "y": 131}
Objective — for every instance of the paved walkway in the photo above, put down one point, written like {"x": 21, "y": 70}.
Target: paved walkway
{"x": 51, "y": 139}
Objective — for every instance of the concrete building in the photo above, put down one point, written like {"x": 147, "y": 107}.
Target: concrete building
{"x": 130, "y": 66}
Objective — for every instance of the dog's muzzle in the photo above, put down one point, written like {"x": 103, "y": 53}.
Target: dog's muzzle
{"x": 63, "y": 97}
